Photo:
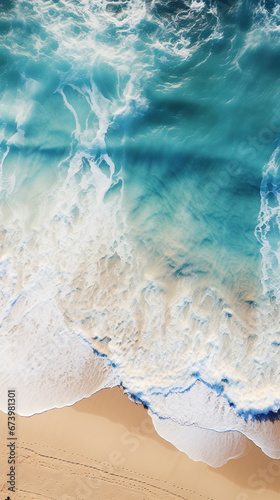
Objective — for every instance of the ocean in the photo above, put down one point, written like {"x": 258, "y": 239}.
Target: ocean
{"x": 140, "y": 212}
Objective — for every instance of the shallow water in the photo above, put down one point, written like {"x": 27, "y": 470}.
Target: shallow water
{"x": 140, "y": 207}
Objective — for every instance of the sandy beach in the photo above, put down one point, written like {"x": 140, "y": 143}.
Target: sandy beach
{"x": 105, "y": 448}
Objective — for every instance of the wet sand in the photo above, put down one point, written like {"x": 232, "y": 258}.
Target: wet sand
{"x": 105, "y": 448}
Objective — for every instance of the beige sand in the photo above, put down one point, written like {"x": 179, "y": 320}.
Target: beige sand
{"x": 105, "y": 448}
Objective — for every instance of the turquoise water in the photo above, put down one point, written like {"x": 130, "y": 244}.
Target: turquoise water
{"x": 140, "y": 195}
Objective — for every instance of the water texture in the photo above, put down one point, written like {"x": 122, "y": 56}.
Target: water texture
{"x": 140, "y": 212}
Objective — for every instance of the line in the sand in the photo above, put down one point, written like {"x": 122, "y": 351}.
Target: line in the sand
{"x": 115, "y": 475}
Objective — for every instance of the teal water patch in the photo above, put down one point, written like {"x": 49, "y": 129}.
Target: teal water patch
{"x": 140, "y": 188}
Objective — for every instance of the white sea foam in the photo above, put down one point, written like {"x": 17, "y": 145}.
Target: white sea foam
{"x": 84, "y": 304}
{"x": 85, "y": 278}
{"x": 206, "y": 427}
{"x": 266, "y": 231}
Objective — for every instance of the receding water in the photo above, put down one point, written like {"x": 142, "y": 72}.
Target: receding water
{"x": 140, "y": 206}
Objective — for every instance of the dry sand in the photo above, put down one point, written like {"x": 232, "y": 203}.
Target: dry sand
{"x": 105, "y": 448}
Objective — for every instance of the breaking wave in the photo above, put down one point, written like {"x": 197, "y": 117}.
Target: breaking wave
{"x": 139, "y": 235}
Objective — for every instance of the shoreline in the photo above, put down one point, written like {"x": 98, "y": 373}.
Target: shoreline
{"x": 105, "y": 447}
